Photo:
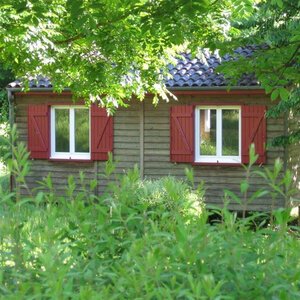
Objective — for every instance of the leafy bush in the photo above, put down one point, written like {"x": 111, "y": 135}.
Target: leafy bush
{"x": 139, "y": 240}
{"x": 4, "y": 142}
{"x": 4, "y": 153}
{"x": 5, "y": 77}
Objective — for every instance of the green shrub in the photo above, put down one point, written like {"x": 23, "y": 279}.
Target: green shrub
{"x": 4, "y": 153}
{"x": 5, "y": 77}
{"x": 139, "y": 240}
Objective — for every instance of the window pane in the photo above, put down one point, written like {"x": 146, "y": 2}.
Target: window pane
{"x": 230, "y": 132}
{"x": 62, "y": 130}
{"x": 82, "y": 130}
{"x": 208, "y": 132}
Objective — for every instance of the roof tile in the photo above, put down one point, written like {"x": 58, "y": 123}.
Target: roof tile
{"x": 188, "y": 72}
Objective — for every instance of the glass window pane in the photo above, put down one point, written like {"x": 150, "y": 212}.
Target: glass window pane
{"x": 208, "y": 132}
{"x": 230, "y": 132}
{"x": 82, "y": 143}
{"x": 62, "y": 130}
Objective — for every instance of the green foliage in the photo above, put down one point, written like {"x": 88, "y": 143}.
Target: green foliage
{"x": 291, "y": 109}
{"x": 4, "y": 154}
{"x": 140, "y": 240}
{"x": 278, "y": 185}
{"x": 273, "y": 28}
{"x": 5, "y": 78}
{"x": 111, "y": 48}
{"x": 4, "y": 142}
{"x": 4, "y": 106}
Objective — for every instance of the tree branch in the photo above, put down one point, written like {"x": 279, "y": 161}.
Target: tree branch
{"x": 82, "y": 35}
{"x": 286, "y": 65}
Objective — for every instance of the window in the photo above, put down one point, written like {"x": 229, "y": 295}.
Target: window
{"x": 70, "y": 132}
{"x": 218, "y": 134}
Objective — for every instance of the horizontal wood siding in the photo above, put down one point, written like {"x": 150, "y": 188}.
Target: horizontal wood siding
{"x": 126, "y": 146}
{"x": 216, "y": 178}
{"x": 156, "y": 144}
{"x": 126, "y": 143}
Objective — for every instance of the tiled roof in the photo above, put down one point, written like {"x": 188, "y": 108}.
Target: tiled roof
{"x": 34, "y": 82}
{"x": 188, "y": 72}
{"x": 201, "y": 72}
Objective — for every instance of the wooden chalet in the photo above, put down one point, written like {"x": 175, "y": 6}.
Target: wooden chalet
{"x": 208, "y": 129}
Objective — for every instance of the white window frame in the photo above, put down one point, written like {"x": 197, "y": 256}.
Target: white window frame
{"x": 71, "y": 154}
{"x": 207, "y": 121}
{"x": 218, "y": 158}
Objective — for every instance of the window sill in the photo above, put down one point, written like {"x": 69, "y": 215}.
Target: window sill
{"x": 70, "y": 160}
{"x": 237, "y": 164}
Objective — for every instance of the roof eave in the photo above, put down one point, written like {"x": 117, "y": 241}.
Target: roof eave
{"x": 185, "y": 88}
{"x": 212, "y": 88}
{"x": 41, "y": 89}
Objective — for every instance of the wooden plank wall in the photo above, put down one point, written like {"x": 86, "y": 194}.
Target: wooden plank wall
{"x": 126, "y": 142}
{"x": 216, "y": 178}
{"x": 126, "y": 145}
{"x": 155, "y": 125}
{"x": 41, "y": 168}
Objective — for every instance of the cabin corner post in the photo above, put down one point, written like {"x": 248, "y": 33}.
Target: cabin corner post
{"x": 11, "y": 105}
{"x": 142, "y": 122}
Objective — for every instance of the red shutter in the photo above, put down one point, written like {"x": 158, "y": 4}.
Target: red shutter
{"x": 101, "y": 133}
{"x": 38, "y": 131}
{"x": 253, "y": 131}
{"x": 182, "y": 133}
